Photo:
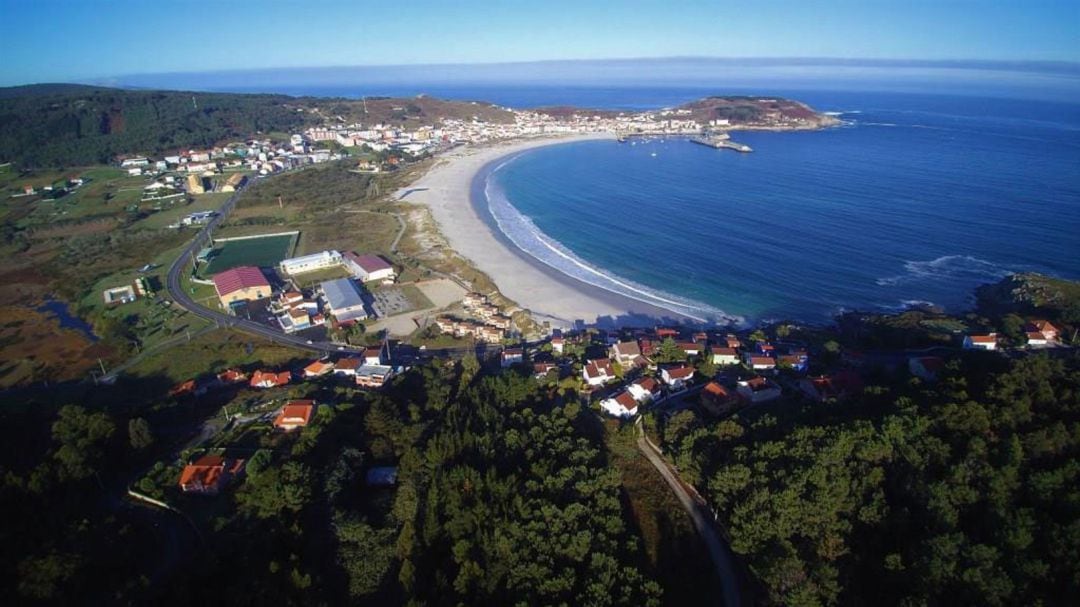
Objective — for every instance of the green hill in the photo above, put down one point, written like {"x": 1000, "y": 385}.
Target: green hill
{"x": 56, "y": 125}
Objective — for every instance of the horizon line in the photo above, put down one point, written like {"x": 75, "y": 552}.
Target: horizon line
{"x": 1051, "y": 65}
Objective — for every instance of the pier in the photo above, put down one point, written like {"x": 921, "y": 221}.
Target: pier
{"x": 722, "y": 144}
{"x": 719, "y": 141}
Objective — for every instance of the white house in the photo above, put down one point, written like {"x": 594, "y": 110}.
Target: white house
{"x": 758, "y": 389}
{"x": 622, "y": 405}
{"x": 677, "y": 377}
{"x": 1036, "y": 339}
{"x": 511, "y": 356}
{"x": 724, "y": 356}
{"x": 759, "y": 363}
{"x": 625, "y": 353}
{"x": 347, "y": 367}
{"x": 310, "y": 263}
{"x": 373, "y": 356}
{"x": 598, "y": 372}
{"x": 558, "y": 344}
{"x": 644, "y": 390}
{"x": 368, "y": 267}
{"x": 981, "y": 342}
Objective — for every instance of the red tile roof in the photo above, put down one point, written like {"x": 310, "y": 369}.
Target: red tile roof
{"x": 242, "y": 277}
{"x": 232, "y": 376}
{"x": 295, "y": 413}
{"x": 270, "y": 378}
{"x": 679, "y": 372}
{"x": 647, "y": 383}
{"x": 626, "y": 400}
{"x": 715, "y": 390}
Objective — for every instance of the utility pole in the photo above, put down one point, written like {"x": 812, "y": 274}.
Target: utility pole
{"x": 103, "y": 372}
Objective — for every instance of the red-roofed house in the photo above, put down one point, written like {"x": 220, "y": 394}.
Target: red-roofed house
{"x": 821, "y": 389}
{"x": 1034, "y": 338}
{"x": 269, "y": 379}
{"x": 717, "y": 399}
{"x": 1049, "y": 331}
{"x": 243, "y": 283}
{"x": 209, "y": 474}
{"x": 348, "y": 366}
{"x": 318, "y": 368}
{"x": 644, "y": 389}
{"x": 598, "y": 372}
{"x": 724, "y": 356}
{"x": 677, "y": 376}
{"x": 232, "y": 376}
{"x": 368, "y": 267}
{"x": 295, "y": 414}
{"x": 622, "y": 405}
{"x": 981, "y": 342}
{"x": 760, "y": 363}
{"x": 758, "y": 390}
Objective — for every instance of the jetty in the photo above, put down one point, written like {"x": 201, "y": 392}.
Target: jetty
{"x": 722, "y": 143}
{"x": 719, "y": 141}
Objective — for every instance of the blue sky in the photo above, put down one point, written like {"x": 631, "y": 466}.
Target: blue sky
{"x": 54, "y": 40}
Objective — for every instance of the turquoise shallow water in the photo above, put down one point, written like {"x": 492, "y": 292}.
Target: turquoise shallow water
{"x": 916, "y": 198}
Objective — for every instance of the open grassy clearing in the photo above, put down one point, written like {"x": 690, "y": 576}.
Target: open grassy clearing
{"x": 215, "y": 352}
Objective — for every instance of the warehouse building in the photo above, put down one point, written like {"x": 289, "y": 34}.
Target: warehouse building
{"x": 310, "y": 263}
{"x": 243, "y": 283}
{"x": 343, "y": 300}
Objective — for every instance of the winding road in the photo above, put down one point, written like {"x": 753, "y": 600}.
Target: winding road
{"x": 176, "y": 291}
{"x": 702, "y": 518}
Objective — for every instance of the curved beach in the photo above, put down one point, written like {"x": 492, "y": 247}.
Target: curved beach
{"x": 549, "y": 295}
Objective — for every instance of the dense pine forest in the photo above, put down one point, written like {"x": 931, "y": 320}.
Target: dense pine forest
{"x": 70, "y": 125}
{"x": 964, "y": 491}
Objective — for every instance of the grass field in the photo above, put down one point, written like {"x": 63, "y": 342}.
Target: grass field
{"x": 262, "y": 252}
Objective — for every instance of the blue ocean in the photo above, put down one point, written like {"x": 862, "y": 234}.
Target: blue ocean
{"x": 939, "y": 180}
{"x": 918, "y": 198}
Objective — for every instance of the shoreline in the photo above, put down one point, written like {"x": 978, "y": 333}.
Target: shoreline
{"x": 453, "y": 191}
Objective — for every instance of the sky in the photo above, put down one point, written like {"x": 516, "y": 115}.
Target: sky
{"x": 87, "y": 40}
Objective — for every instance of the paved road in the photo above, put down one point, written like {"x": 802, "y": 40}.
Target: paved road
{"x": 176, "y": 291}
{"x": 220, "y": 319}
{"x": 703, "y": 522}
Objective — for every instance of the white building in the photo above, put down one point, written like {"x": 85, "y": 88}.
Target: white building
{"x": 724, "y": 356}
{"x": 343, "y": 299}
{"x": 981, "y": 342}
{"x": 677, "y": 377}
{"x": 310, "y": 263}
{"x": 368, "y": 267}
{"x": 758, "y": 390}
{"x": 512, "y": 356}
{"x": 597, "y": 372}
{"x": 621, "y": 405}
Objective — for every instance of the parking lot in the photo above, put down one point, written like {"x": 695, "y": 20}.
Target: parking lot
{"x": 389, "y": 302}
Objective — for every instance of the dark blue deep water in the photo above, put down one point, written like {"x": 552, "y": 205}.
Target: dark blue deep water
{"x": 918, "y": 198}
{"x": 941, "y": 180}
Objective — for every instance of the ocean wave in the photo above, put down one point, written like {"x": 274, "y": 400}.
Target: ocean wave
{"x": 963, "y": 268}
{"x": 526, "y": 236}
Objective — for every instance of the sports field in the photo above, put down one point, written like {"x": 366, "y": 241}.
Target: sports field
{"x": 264, "y": 252}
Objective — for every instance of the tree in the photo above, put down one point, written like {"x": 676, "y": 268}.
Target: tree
{"x": 669, "y": 352}
{"x": 276, "y": 491}
{"x": 81, "y": 439}
{"x": 364, "y": 552}
{"x": 139, "y": 434}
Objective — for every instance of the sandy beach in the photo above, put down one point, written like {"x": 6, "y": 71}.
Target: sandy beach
{"x": 548, "y": 295}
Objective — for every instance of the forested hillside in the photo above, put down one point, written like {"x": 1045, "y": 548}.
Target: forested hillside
{"x": 63, "y": 125}
{"x": 69, "y": 125}
{"x": 961, "y": 492}
{"x": 504, "y": 496}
